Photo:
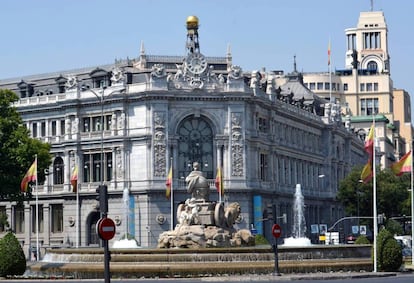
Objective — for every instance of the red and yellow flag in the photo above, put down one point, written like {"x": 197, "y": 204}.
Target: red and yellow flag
{"x": 329, "y": 53}
{"x": 403, "y": 165}
{"x": 74, "y": 179}
{"x": 369, "y": 142}
{"x": 31, "y": 176}
{"x": 366, "y": 174}
{"x": 168, "y": 184}
{"x": 219, "y": 181}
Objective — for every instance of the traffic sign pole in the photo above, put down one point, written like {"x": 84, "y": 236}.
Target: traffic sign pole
{"x": 277, "y": 232}
{"x": 106, "y": 231}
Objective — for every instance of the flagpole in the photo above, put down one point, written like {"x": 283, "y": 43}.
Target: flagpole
{"x": 330, "y": 72}
{"x": 171, "y": 198}
{"x": 77, "y": 215}
{"x": 37, "y": 213}
{"x": 412, "y": 207}
{"x": 374, "y": 169}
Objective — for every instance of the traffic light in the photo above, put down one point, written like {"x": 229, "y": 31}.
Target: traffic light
{"x": 270, "y": 213}
{"x": 102, "y": 191}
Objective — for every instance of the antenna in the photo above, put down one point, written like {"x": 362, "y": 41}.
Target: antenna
{"x": 372, "y": 5}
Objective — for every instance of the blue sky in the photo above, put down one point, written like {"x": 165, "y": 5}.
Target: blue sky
{"x": 53, "y": 35}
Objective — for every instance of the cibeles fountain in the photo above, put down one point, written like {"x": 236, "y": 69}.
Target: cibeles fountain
{"x": 203, "y": 223}
{"x": 205, "y": 243}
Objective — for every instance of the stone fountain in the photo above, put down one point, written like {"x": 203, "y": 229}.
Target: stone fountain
{"x": 202, "y": 223}
{"x": 205, "y": 244}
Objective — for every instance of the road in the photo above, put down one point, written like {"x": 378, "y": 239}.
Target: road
{"x": 308, "y": 278}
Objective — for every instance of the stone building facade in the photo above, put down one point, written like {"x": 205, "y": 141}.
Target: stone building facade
{"x": 127, "y": 123}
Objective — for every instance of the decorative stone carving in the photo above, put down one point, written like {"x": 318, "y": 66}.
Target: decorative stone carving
{"x": 160, "y": 145}
{"x": 236, "y": 145}
{"x": 235, "y": 73}
{"x": 119, "y": 164}
{"x": 75, "y": 125}
{"x": 117, "y": 76}
{"x": 158, "y": 71}
{"x": 71, "y": 82}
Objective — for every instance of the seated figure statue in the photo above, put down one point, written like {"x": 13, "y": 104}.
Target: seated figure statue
{"x": 197, "y": 184}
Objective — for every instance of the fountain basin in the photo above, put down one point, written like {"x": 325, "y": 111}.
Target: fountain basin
{"x": 87, "y": 263}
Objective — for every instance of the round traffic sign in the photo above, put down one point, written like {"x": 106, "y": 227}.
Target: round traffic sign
{"x": 276, "y": 230}
{"x": 106, "y": 228}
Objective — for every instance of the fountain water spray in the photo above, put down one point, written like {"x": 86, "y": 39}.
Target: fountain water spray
{"x": 299, "y": 224}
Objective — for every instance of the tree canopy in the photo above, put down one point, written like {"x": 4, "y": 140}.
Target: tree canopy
{"x": 17, "y": 150}
{"x": 393, "y": 197}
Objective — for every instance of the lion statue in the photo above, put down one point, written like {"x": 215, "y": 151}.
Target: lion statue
{"x": 232, "y": 213}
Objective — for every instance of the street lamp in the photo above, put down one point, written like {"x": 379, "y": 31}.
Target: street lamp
{"x": 102, "y": 190}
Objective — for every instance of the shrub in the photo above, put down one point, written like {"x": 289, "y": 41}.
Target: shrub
{"x": 12, "y": 259}
{"x": 260, "y": 240}
{"x": 389, "y": 252}
{"x": 394, "y": 227}
{"x": 362, "y": 240}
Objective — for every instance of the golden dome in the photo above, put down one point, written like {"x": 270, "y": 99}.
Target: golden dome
{"x": 192, "y": 22}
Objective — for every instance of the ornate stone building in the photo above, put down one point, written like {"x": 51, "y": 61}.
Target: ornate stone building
{"x": 126, "y": 123}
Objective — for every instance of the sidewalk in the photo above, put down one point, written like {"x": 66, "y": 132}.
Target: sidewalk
{"x": 307, "y": 276}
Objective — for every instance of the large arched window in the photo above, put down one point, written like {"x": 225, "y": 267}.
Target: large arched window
{"x": 58, "y": 171}
{"x": 195, "y": 144}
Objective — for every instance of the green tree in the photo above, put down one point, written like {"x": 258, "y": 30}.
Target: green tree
{"x": 17, "y": 150}
{"x": 12, "y": 259}
{"x": 389, "y": 252}
{"x": 392, "y": 194}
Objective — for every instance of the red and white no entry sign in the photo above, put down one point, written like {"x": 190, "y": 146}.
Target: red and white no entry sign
{"x": 276, "y": 230}
{"x": 106, "y": 228}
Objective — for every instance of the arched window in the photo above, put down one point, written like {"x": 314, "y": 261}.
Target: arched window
{"x": 372, "y": 66}
{"x": 58, "y": 171}
{"x": 195, "y": 144}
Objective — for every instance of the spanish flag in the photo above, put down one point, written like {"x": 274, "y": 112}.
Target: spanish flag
{"x": 369, "y": 142}
{"x": 74, "y": 179}
{"x": 219, "y": 181}
{"x": 367, "y": 172}
{"x": 31, "y": 176}
{"x": 168, "y": 184}
{"x": 403, "y": 165}
{"x": 329, "y": 53}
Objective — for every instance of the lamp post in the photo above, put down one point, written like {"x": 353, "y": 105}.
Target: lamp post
{"x": 103, "y": 193}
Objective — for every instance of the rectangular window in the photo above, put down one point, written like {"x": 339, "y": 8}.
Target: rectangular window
{"x": 362, "y": 87}
{"x": 369, "y": 106}
{"x": 327, "y": 86}
{"x": 85, "y": 125}
{"x": 320, "y": 86}
{"x": 19, "y": 219}
{"x": 54, "y": 129}
{"x": 40, "y": 219}
{"x": 34, "y": 134}
{"x": 62, "y": 127}
{"x": 312, "y": 86}
{"x": 96, "y": 124}
{"x": 57, "y": 218}
{"x": 263, "y": 167}
{"x": 369, "y": 86}
{"x": 108, "y": 122}
{"x": 43, "y": 129}
{"x": 345, "y": 87}
{"x": 3, "y": 219}
{"x": 263, "y": 125}
{"x": 92, "y": 171}
{"x": 375, "y": 86}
